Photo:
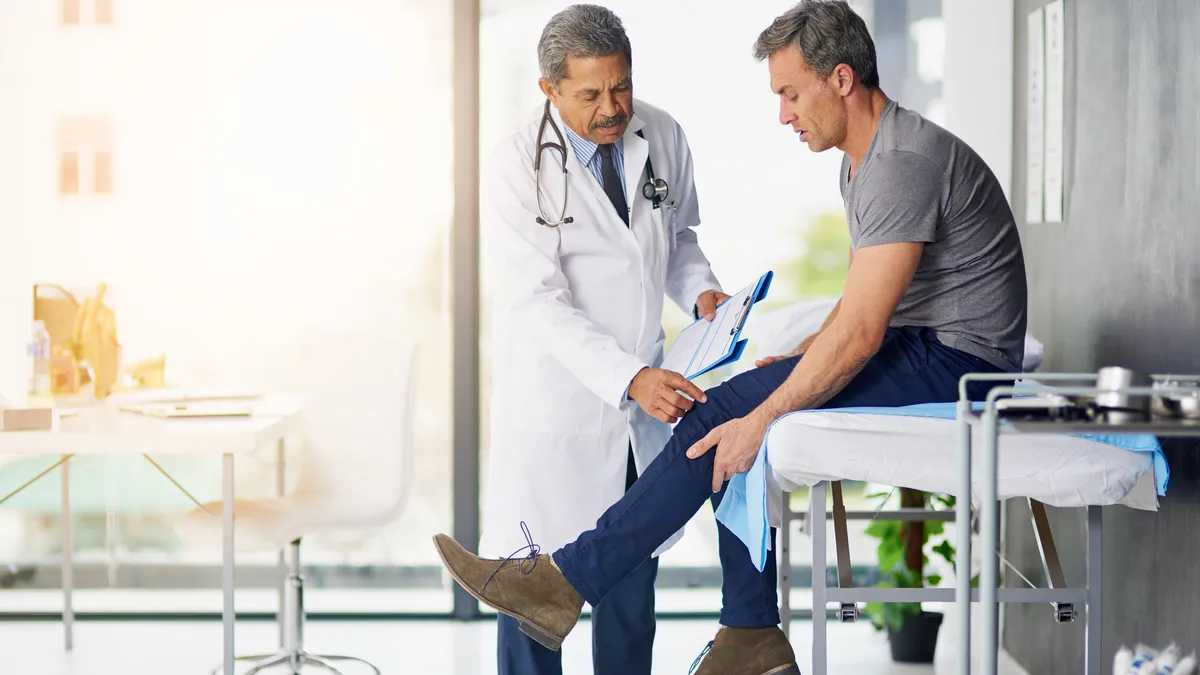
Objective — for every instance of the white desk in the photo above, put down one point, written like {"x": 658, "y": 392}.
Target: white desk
{"x": 103, "y": 429}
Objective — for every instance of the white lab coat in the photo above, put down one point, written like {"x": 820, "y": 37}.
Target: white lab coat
{"x": 577, "y": 312}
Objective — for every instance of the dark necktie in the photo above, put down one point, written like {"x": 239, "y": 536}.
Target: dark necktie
{"x": 612, "y": 182}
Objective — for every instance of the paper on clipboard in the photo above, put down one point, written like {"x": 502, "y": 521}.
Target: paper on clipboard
{"x": 706, "y": 345}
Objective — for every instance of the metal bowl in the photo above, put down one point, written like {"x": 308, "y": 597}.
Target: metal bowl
{"x": 1176, "y": 406}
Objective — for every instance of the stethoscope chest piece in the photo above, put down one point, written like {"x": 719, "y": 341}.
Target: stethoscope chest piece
{"x": 655, "y": 190}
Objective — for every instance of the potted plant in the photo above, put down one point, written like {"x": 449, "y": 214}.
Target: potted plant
{"x": 902, "y": 557}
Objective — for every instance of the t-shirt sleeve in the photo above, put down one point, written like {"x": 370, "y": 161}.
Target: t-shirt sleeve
{"x": 902, "y": 201}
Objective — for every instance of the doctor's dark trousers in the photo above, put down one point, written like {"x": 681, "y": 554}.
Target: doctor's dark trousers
{"x": 911, "y": 367}
{"x": 622, "y": 627}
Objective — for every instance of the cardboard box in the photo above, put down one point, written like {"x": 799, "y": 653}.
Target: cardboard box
{"x": 26, "y": 419}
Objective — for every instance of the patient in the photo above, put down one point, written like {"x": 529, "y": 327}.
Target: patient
{"x": 936, "y": 289}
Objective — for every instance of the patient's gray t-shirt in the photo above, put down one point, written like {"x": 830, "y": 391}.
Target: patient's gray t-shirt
{"x": 920, "y": 183}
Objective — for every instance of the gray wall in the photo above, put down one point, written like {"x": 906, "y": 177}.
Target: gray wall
{"x": 1118, "y": 283}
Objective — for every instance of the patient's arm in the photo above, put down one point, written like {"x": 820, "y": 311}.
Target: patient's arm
{"x": 878, "y": 278}
{"x": 803, "y": 346}
{"x": 807, "y": 342}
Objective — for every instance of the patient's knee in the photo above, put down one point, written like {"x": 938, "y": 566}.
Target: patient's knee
{"x": 704, "y": 417}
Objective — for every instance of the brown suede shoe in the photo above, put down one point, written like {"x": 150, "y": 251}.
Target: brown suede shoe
{"x": 748, "y": 651}
{"x": 530, "y": 590}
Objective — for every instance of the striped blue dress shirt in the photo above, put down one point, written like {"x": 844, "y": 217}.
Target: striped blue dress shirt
{"x": 588, "y": 155}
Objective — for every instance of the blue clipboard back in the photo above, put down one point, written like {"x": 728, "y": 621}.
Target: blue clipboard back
{"x": 738, "y": 346}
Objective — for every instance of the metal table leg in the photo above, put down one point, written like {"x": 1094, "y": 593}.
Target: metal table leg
{"x": 783, "y": 560}
{"x": 68, "y": 551}
{"x": 816, "y": 517}
{"x": 227, "y": 613}
{"x": 1095, "y": 554}
{"x": 847, "y": 611}
{"x": 989, "y": 546}
{"x": 962, "y": 523}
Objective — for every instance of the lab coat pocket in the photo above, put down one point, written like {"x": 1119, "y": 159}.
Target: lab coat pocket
{"x": 554, "y": 405}
{"x": 664, "y": 226}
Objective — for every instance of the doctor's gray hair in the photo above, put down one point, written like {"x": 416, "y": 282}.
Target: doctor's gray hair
{"x": 581, "y": 31}
{"x": 828, "y": 33}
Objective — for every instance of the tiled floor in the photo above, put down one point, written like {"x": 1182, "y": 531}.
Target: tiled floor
{"x": 397, "y": 648}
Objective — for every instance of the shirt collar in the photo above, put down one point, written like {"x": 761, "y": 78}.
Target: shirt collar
{"x": 585, "y": 150}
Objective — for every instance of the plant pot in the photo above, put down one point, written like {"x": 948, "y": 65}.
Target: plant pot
{"x": 916, "y": 640}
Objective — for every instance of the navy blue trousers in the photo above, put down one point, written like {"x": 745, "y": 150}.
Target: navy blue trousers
{"x": 911, "y": 367}
{"x": 622, "y": 627}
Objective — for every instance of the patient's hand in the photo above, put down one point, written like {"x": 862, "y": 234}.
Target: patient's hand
{"x": 800, "y": 349}
{"x": 768, "y": 360}
{"x": 737, "y": 442}
{"x": 657, "y": 392}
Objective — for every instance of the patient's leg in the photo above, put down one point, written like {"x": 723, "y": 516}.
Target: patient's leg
{"x": 910, "y": 367}
{"x": 667, "y": 494}
{"x": 748, "y": 597}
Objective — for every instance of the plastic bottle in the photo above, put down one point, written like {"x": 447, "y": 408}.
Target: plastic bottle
{"x": 1123, "y": 661}
{"x": 1186, "y": 666}
{"x": 39, "y": 357}
{"x": 1142, "y": 656}
{"x": 1166, "y": 662}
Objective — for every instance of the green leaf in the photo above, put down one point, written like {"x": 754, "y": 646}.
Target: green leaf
{"x": 874, "y": 611}
{"x": 906, "y": 578}
{"x": 934, "y": 579}
{"x": 934, "y": 528}
{"x": 891, "y": 553}
{"x": 893, "y": 616}
{"x": 946, "y": 551}
{"x": 947, "y": 501}
{"x": 882, "y": 528}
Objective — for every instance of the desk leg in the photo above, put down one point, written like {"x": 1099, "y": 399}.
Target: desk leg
{"x": 227, "y": 614}
{"x": 68, "y": 551}
{"x": 989, "y": 576}
{"x": 280, "y": 488}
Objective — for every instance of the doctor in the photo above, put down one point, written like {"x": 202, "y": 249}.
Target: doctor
{"x": 578, "y": 408}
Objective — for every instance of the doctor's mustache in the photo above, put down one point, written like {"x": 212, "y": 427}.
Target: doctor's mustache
{"x": 608, "y": 122}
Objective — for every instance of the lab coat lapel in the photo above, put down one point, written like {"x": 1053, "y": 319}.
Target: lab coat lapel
{"x": 636, "y": 150}
{"x": 583, "y": 179}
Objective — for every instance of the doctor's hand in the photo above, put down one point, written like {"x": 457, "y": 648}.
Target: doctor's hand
{"x": 657, "y": 392}
{"x": 737, "y": 443}
{"x": 706, "y": 304}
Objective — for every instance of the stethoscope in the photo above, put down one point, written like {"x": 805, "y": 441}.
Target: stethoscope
{"x": 654, "y": 189}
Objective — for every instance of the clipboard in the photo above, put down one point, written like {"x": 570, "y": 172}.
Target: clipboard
{"x": 707, "y": 345}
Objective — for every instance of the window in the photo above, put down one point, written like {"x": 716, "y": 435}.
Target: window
{"x": 76, "y": 12}
{"x": 276, "y": 195}
{"x": 85, "y": 164}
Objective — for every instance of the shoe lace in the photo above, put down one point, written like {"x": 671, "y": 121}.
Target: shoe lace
{"x": 530, "y": 558}
{"x": 704, "y": 652}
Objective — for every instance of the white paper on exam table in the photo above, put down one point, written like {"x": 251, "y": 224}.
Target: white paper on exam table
{"x": 706, "y": 345}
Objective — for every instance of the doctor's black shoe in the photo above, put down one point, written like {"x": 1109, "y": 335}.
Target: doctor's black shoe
{"x": 747, "y": 651}
{"x": 529, "y": 589}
